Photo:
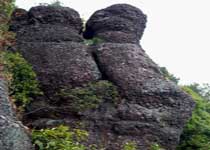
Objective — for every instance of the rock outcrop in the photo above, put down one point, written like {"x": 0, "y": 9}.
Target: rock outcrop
{"x": 149, "y": 110}
{"x": 48, "y": 37}
{"x": 12, "y": 134}
{"x": 117, "y": 24}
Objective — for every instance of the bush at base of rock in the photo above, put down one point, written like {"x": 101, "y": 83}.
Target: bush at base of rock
{"x": 59, "y": 138}
{"x": 196, "y": 133}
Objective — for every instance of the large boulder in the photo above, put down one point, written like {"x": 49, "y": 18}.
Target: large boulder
{"x": 48, "y": 38}
{"x": 155, "y": 110}
{"x": 13, "y": 136}
{"x": 46, "y": 15}
{"x": 120, "y": 23}
{"x": 60, "y": 65}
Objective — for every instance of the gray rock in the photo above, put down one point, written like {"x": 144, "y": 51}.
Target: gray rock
{"x": 55, "y": 15}
{"x": 150, "y": 109}
{"x": 12, "y": 134}
{"x": 120, "y": 23}
{"x": 60, "y": 65}
{"x": 19, "y": 19}
{"x": 51, "y": 43}
{"x": 155, "y": 110}
{"x": 46, "y": 33}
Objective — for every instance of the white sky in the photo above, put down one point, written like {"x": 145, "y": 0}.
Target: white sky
{"x": 177, "y": 34}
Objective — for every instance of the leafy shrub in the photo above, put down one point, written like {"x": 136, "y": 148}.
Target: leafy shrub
{"x": 130, "y": 146}
{"x": 6, "y": 8}
{"x": 59, "y": 138}
{"x": 168, "y": 75}
{"x": 155, "y": 146}
{"x": 93, "y": 41}
{"x": 196, "y": 133}
{"x": 90, "y": 96}
{"x": 56, "y": 3}
{"x": 23, "y": 83}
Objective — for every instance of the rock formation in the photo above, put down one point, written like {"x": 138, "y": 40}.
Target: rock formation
{"x": 126, "y": 21}
{"x": 48, "y": 37}
{"x": 12, "y": 134}
{"x": 149, "y": 110}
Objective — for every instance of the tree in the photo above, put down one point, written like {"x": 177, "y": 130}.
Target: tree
{"x": 196, "y": 134}
{"x": 202, "y": 89}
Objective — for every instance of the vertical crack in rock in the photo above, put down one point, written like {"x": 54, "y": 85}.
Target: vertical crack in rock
{"x": 94, "y": 56}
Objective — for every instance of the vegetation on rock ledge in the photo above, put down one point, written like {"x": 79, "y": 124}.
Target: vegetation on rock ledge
{"x": 90, "y": 96}
{"x": 59, "y": 138}
{"x": 23, "y": 84}
{"x": 130, "y": 146}
{"x": 6, "y": 37}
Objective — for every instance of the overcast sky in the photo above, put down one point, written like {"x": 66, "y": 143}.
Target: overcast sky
{"x": 177, "y": 34}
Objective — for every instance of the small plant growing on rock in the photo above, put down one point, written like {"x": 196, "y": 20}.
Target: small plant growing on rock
{"x": 59, "y": 138}
{"x": 91, "y": 95}
{"x": 93, "y": 41}
{"x": 130, "y": 146}
{"x": 21, "y": 77}
{"x": 56, "y": 3}
{"x": 156, "y": 146}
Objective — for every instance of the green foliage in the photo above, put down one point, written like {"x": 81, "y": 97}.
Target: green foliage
{"x": 196, "y": 134}
{"x": 156, "y": 146}
{"x": 23, "y": 83}
{"x": 203, "y": 90}
{"x": 6, "y": 8}
{"x": 93, "y": 41}
{"x": 91, "y": 95}
{"x": 56, "y": 3}
{"x": 130, "y": 146}
{"x": 168, "y": 75}
{"x": 59, "y": 138}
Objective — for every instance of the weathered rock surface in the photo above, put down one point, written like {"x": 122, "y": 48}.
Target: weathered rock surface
{"x": 119, "y": 23}
{"x": 155, "y": 110}
{"x": 50, "y": 41}
{"x": 12, "y": 134}
{"x": 150, "y": 109}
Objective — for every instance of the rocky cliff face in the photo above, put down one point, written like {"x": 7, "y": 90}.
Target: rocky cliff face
{"x": 145, "y": 108}
{"x": 12, "y": 134}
